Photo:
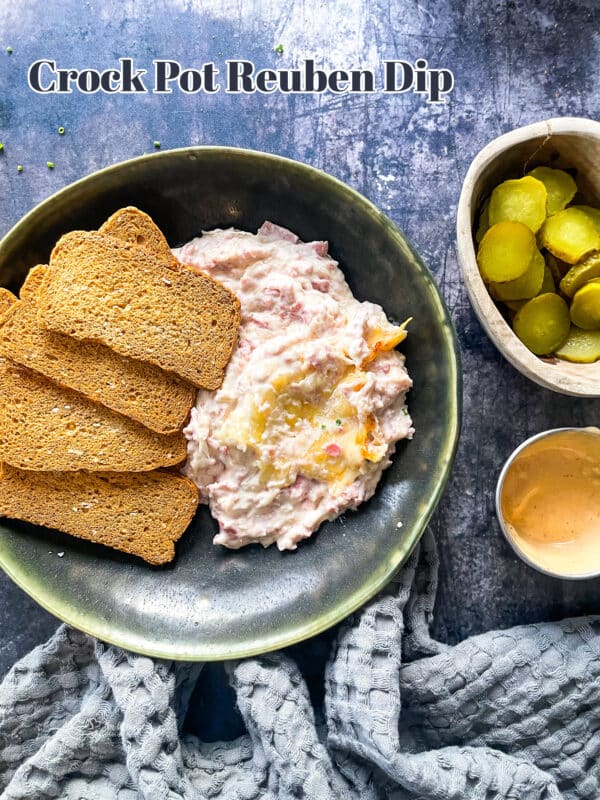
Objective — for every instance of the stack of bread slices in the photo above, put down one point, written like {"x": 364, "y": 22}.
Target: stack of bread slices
{"x": 100, "y": 360}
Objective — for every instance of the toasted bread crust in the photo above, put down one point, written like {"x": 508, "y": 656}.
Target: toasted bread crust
{"x": 180, "y": 320}
{"x": 45, "y": 427}
{"x": 7, "y": 301}
{"x": 157, "y": 399}
{"x": 142, "y": 514}
{"x": 135, "y": 227}
{"x": 33, "y": 282}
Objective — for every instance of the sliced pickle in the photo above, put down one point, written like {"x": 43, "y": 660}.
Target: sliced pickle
{"x": 570, "y": 235}
{"x": 543, "y": 323}
{"x": 593, "y": 214}
{"x": 585, "y": 306}
{"x": 580, "y": 274}
{"x": 484, "y": 221}
{"x": 505, "y": 252}
{"x": 560, "y": 186}
{"x": 528, "y": 285}
{"x": 581, "y": 347}
{"x": 548, "y": 284}
{"x": 521, "y": 200}
{"x": 557, "y": 267}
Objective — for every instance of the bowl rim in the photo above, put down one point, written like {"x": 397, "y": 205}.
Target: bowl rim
{"x": 509, "y": 345}
{"x": 500, "y": 516}
{"x": 96, "y": 627}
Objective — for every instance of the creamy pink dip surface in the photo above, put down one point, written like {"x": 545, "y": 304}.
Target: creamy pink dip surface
{"x": 313, "y": 399}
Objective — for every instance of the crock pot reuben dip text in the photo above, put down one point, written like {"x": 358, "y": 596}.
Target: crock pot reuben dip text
{"x": 313, "y": 399}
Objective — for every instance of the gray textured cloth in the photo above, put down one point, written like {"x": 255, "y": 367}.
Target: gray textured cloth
{"x": 508, "y": 714}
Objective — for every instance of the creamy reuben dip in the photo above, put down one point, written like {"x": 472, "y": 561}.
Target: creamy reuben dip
{"x": 313, "y": 399}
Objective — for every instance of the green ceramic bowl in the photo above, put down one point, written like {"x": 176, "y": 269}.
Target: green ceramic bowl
{"x": 211, "y": 603}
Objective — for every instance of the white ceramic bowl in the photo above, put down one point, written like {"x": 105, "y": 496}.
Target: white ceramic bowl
{"x": 562, "y": 142}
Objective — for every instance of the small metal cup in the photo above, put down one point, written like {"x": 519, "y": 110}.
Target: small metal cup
{"x": 504, "y": 527}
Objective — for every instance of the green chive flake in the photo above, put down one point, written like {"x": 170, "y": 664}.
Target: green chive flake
{"x": 338, "y": 422}
{"x": 279, "y": 49}
{"x": 50, "y": 164}
{"x": 9, "y": 51}
{"x": 1, "y": 146}
{"x": 61, "y": 130}
{"x": 157, "y": 145}
{"x": 19, "y": 168}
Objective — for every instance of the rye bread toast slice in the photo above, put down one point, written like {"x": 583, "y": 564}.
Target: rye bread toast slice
{"x": 114, "y": 293}
{"x": 7, "y": 300}
{"x": 140, "y": 513}
{"x": 135, "y": 227}
{"x": 157, "y": 399}
{"x": 45, "y": 427}
{"x": 33, "y": 283}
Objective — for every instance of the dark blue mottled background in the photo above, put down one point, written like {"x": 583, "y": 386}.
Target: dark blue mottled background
{"x": 514, "y": 62}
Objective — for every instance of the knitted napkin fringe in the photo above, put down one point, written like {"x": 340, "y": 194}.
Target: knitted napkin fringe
{"x": 509, "y": 714}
